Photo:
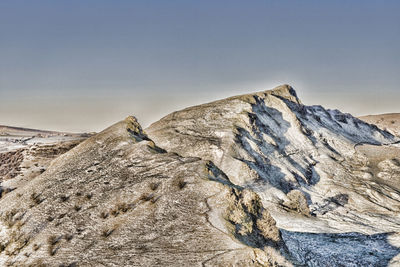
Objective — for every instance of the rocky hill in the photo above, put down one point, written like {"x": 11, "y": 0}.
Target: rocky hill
{"x": 252, "y": 180}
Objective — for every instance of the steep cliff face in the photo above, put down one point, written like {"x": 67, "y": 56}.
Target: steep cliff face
{"x": 317, "y": 171}
{"x": 119, "y": 200}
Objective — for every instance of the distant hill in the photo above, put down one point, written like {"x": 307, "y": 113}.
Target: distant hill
{"x": 26, "y": 153}
{"x": 20, "y": 131}
{"x": 389, "y": 122}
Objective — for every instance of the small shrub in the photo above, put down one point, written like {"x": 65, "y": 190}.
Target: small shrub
{"x": 52, "y": 240}
{"x": 181, "y": 183}
{"x": 119, "y": 207}
{"x": 77, "y": 207}
{"x": 107, "y": 232}
{"x": 146, "y": 197}
{"x": 52, "y": 250}
{"x": 21, "y": 242}
{"x": 114, "y": 212}
{"x": 103, "y": 215}
{"x": 154, "y": 199}
{"x": 154, "y": 186}
{"x": 89, "y": 196}
{"x": 19, "y": 223}
{"x": 68, "y": 237}
{"x": 9, "y": 219}
{"x": 64, "y": 198}
{"x": 35, "y": 198}
{"x": 123, "y": 207}
{"x": 35, "y": 247}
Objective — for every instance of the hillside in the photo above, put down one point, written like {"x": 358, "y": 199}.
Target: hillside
{"x": 251, "y": 180}
{"x": 118, "y": 200}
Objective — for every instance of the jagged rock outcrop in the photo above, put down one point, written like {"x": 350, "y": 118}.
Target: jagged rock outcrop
{"x": 119, "y": 200}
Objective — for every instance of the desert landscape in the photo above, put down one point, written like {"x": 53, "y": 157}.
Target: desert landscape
{"x": 252, "y": 180}
{"x": 199, "y": 133}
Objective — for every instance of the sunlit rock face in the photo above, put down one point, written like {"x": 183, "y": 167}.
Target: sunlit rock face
{"x": 251, "y": 180}
{"x": 330, "y": 180}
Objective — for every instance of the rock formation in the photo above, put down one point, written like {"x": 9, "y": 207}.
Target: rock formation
{"x": 331, "y": 163}
{"x": 252, "y": 180}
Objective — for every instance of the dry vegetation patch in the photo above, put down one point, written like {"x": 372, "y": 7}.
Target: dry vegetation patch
{"x": 10, "y": 163}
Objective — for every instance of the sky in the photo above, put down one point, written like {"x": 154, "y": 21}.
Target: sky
{"x": 81, "y": 65}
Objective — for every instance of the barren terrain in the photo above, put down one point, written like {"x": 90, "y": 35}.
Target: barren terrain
{"x": 251, "y": 180}
{"x": 390, "y": 122}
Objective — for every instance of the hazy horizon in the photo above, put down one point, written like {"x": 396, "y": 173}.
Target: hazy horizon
{"x": 74, "y": 66}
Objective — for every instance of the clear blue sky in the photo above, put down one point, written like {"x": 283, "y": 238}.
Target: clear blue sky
{"x": 82, "y": 65}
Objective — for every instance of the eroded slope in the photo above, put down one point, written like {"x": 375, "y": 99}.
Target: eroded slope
{"x": 309, "y": 168}
{"x": 119, "y": 200}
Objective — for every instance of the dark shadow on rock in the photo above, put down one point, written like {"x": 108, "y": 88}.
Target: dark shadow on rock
{"x": 344, "y": 249}
{"x": 329, "y": 204}
{"x": 269, "y": 121}
{"x": 338, "y": 122}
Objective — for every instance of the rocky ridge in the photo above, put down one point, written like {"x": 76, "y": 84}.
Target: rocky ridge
{"x": 314, "y": 170}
